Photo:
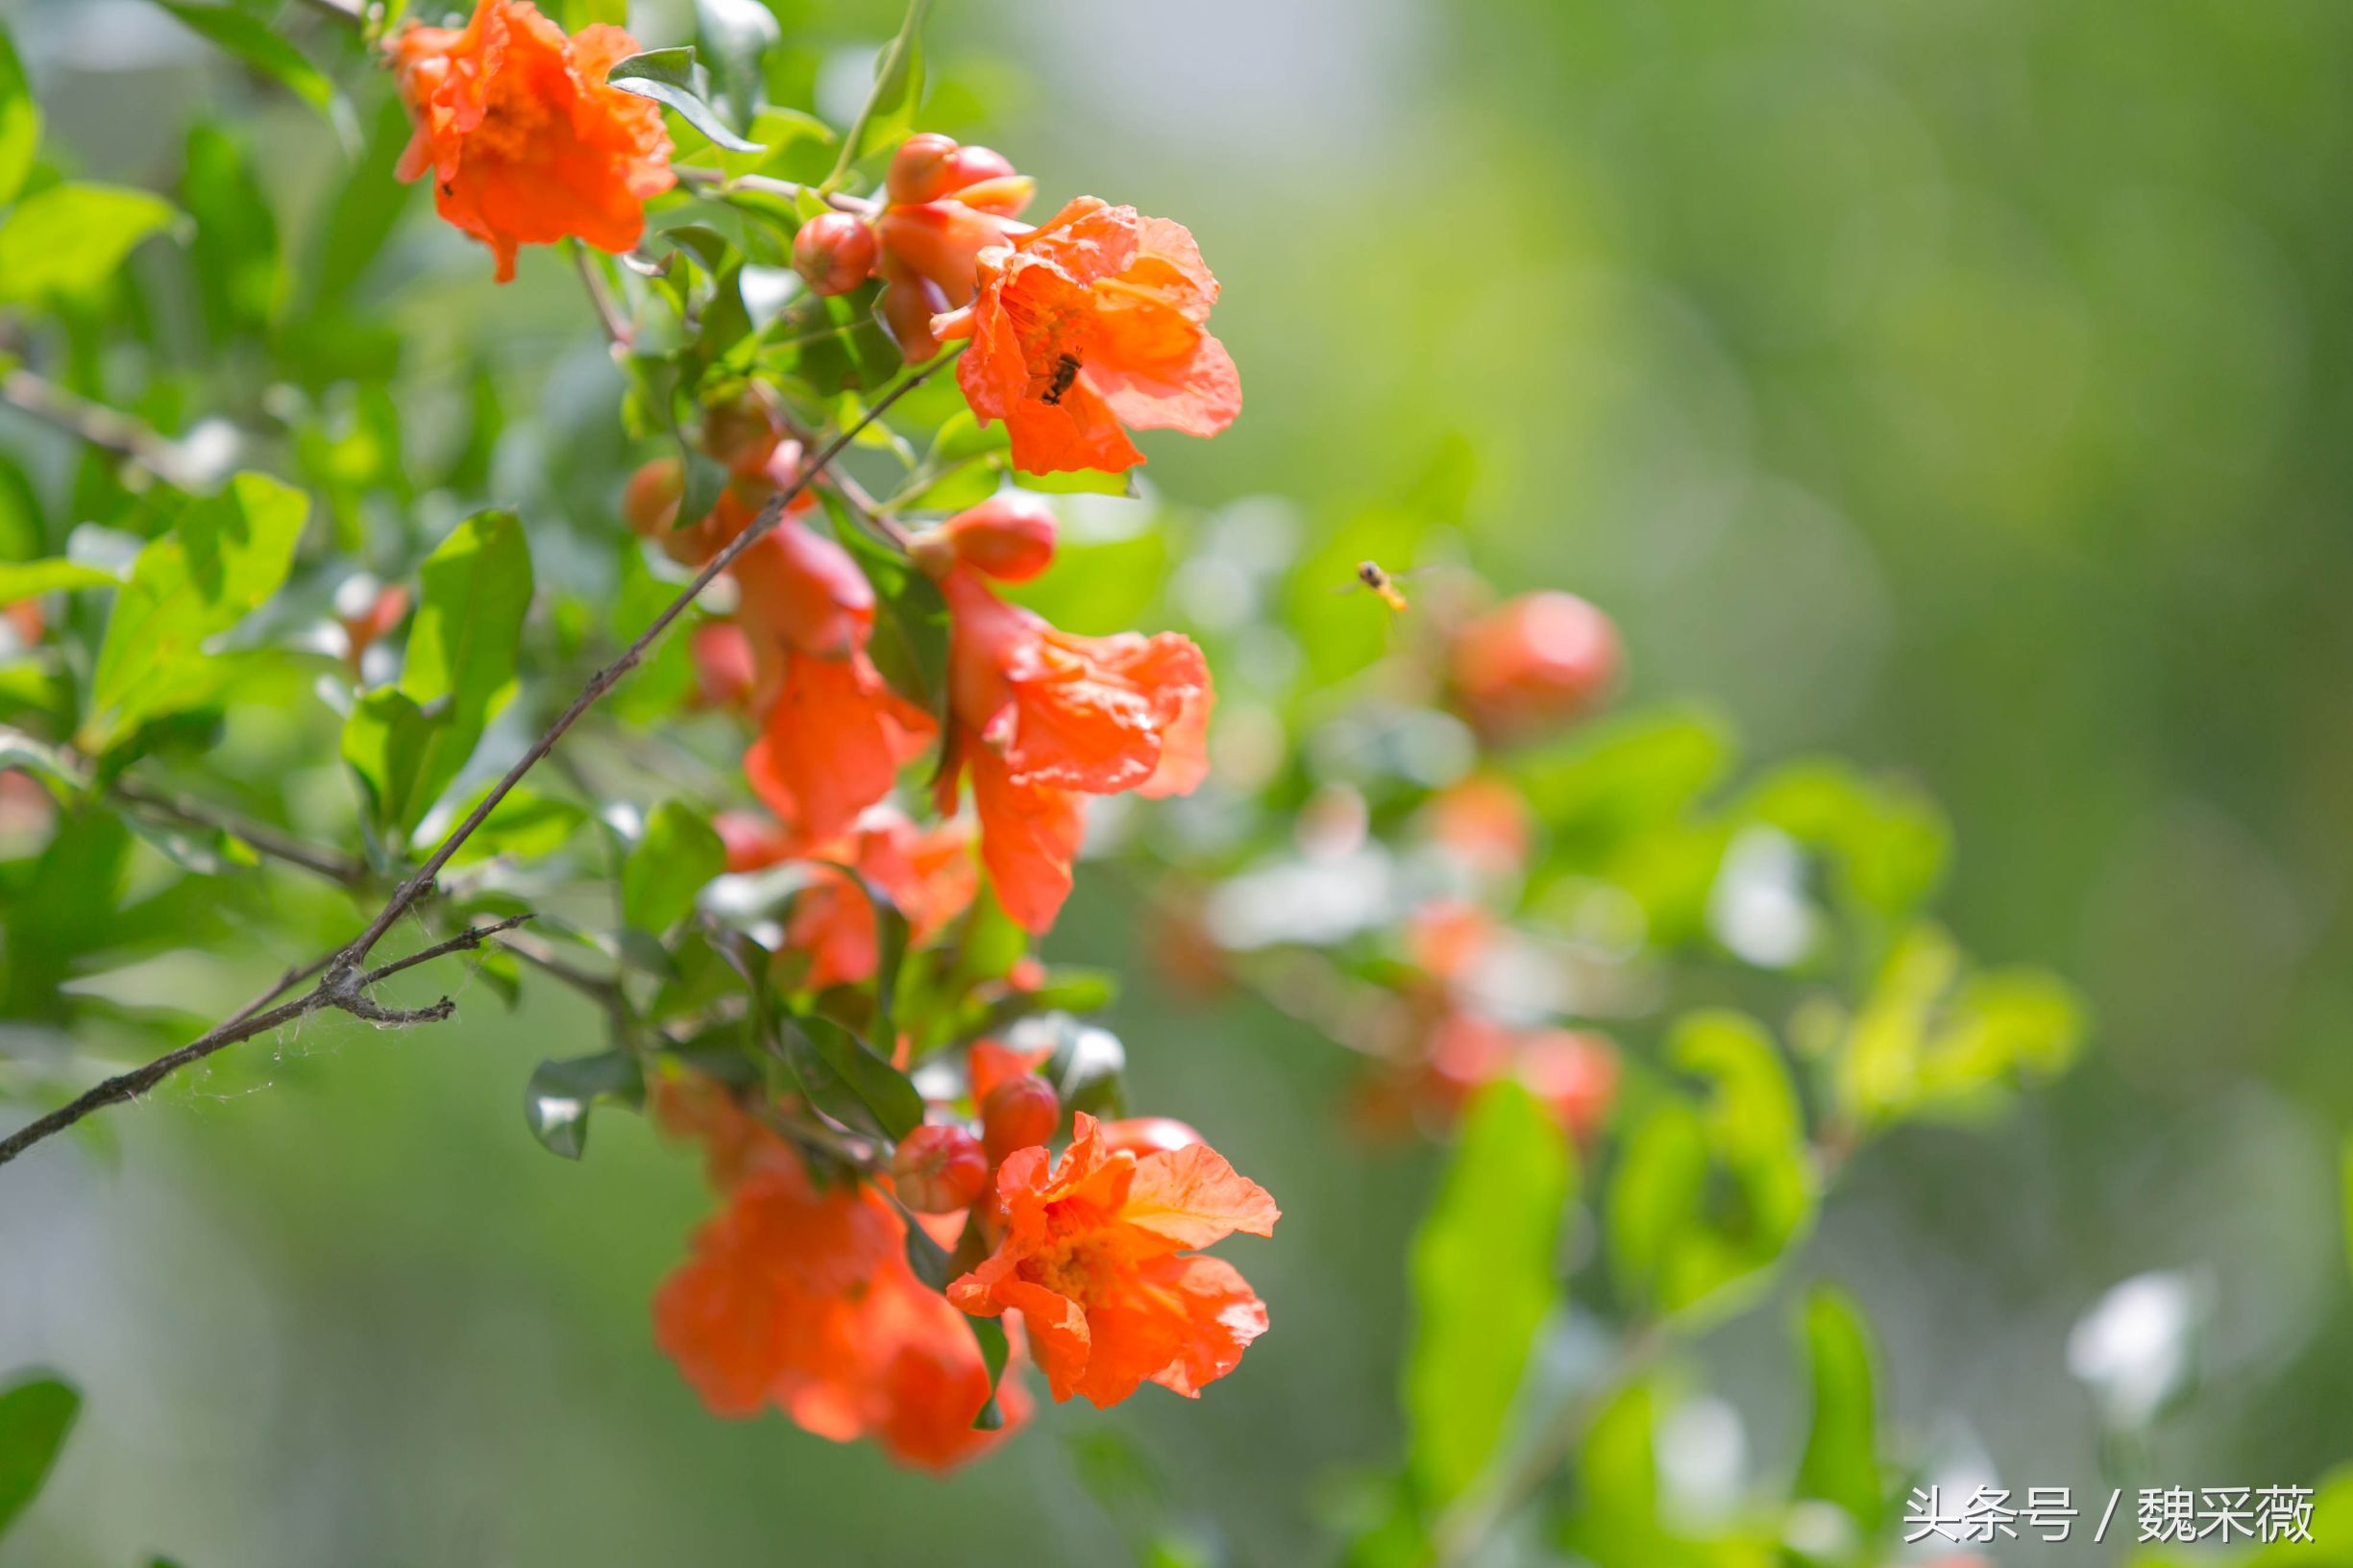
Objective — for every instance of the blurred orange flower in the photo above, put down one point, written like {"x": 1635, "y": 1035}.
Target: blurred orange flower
{"x": 527, "y": 142}
{"x": 1043, "y": 716}
{"x": 927, "y": 872}
{"x": 1535, "y": 662}
{"x": 1098, "y": 1258}
{"x": 835, "y": 734}
{"x": 1094, "y": 321}
{"x": 803, "y": 1297}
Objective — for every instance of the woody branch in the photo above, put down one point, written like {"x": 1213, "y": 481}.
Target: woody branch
{"x": 342, "y": 980}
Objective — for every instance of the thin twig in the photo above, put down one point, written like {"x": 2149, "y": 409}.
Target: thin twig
{"x": 108, "y": 429}
{"x": 762, "y": 185}
{"x": 857, "y": 497}
{"x": 341, "y": 981}
{"x": 465, "y": 941}
{"x": 268, "y": 841}
{"x": 617, "y": 328}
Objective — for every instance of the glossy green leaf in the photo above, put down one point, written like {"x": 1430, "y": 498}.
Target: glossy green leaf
{"x": 523, "y": 826}
{"x": 848, "y": 1082}
{"x": 911, "y": 624}
{"x": 1485, "y": 1275}
{"x": 994, "y": 1351}
{"x": 889, "y": 114}
{"x": 735, "y": 34}
{"x": 27, "y": 580}
{"x": 69, "y": 239}
{"x": 1841, "y": 1463}
{"x": 676, "y": 857}
{"x": 253, "y": 41}
{"x": 558, "y": 1100}
{"x": 385, "y": 740}
{"x": 462, "y": 646}
{"x": 20, "y": 122}
{"x": 220, "y": 561}
{"x": 667, "y": 76}
{"x": 35, "y": 1413}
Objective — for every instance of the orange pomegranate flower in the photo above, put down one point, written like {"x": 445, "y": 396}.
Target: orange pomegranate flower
{"x": 835, "y": 734}
{"x": 1098, "y": 1259}
{"x": 1089, "y": 326}
{"x": 927, "y": 872}
{"x": 803, "y": 1298}
{"x": 1043, "y": 716}
{"x": 527, "y": 141}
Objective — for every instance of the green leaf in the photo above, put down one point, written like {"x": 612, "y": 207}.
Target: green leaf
{"x": 557, "y": 1102}
{"x": 460, "y": 663}
{"x": 19, "y": 751}
{"x": 848, "y": 1082}
{"x": 735, "y": 34}
{"x": 667, "y": 76}
{"x": 889, "y": 112}
{"x": 69, "y": 239}
{"x": 385, "y": 740}
{"x": 577, "y": 15}
{"x": 1841, "y": 1463}
{"x": 994, "y": 1350}
{"x": 253, "y": 41}
{"x": 28, "y": 580}
{"x": 1485, "y": 1275}
{"x": 678, "y": 854}
{"x": 235, "y": 251}
{"x": 1654, "y": 1196}
{"x": 20, "y": 122}
{"x": 36, "y": 1414}
{"x": 911, "y": 626}
{"x": 221, "y": 559}
{"x": 1935, "y": 1039}
{"x": 523, "y": 826}
{"x": 365, "y": 206}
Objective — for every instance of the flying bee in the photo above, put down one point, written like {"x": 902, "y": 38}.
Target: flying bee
{"x": 1058, "y": 381}
{"x": 1381, "y": 584}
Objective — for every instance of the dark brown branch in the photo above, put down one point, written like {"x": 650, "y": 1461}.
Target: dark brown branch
{"x": 342, "y": 982}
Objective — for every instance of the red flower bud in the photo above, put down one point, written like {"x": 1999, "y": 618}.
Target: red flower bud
{"x": 922, "y": 169}
{"x": 1019, "y": 1113}
{"x": 724, "y": 670}
{"x": 649, "y": 504}
{"x": 969, "y": 165}
{"x": 834, "y": 252}
{"x": 1535, "y": 662}
{"x": 941, "y": 241}
{"x": 743, "y": 433}
{"x": 1009, "y": 536}
{"x": 907, "y": 305}
{"x": 939, "y": 1171}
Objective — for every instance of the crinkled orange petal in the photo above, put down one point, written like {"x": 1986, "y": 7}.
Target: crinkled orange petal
{"x": 1057, "y": 1328}
{"x": 1029, "y": 838}
{"x": 832, "y": 743}
{"x": 1191, "y": 1197}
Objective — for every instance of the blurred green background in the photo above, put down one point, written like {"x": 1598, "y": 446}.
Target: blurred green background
{"x": 1949, "y": 385}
